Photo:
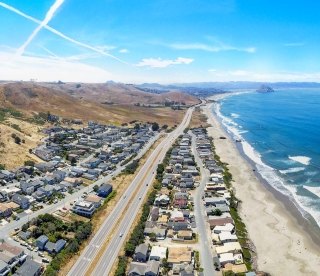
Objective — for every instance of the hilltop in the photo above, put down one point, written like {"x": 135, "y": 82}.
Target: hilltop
{"x": 100, "y": 102}
{"x": 120, "y": 93}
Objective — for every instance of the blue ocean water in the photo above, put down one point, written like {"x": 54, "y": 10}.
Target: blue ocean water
{"x": 280, "y": 133}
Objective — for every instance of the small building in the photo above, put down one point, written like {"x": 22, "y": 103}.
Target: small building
{"x": 104, "y": 190}
{"x": 158, "y": 253}
{"x": 21, "y": 200}
{"x": 56, "y": 247}
{"x": 41, "y": 242}
{"x": 29, "y": 268}
{"x": 178, "y": 255}
{"x": 141, "y": 253}
{"x": 84, "y": 208}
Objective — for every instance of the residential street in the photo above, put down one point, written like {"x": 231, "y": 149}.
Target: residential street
{"x": 206, "y": 246}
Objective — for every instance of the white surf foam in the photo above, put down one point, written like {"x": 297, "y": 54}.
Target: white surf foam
{"x": 313, "y": 190}
{"x": 235, "y": 115}
{"x": 303, "y": 203}
{"x": 305, "y": 160}
{"x": 292, "y": 170}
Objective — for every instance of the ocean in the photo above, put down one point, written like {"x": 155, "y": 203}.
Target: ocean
{"x": 280, "y": 134}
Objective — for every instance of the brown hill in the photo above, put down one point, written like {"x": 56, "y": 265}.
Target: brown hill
{"x": 119, "y": 93}
{"x": 30, "y": 98}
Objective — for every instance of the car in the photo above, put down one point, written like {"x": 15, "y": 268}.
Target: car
{"x": 121, "y": 234}
{"x": 147, "y": 184}
{"x": 41, "y": 254}
{"x": 16, "y": 229}
{"x": 124, "y": 197}
{"x": 45, "y": 260}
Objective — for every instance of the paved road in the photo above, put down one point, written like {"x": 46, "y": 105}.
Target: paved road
{"x": 200, "y": 214}
{"x": 120, "y": 220}
{"x": 5, "y": 230}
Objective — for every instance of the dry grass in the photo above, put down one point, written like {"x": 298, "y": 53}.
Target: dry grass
{"x": 32, "y": 98}
{"x": 119, "y": 184}
{"x": 198, "y": 119}
{"x": 13, "y": 155}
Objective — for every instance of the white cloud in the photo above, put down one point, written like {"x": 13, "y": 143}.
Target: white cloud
{"x": 123, "y": 51}
{"x": 210, "y": 48}
{"x": 245, "y": 75}
{"x": 25, "y": 67}
{"x": 162, "y": 63}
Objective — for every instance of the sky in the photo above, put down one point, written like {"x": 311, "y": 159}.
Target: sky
{"x": 164, "y": 41}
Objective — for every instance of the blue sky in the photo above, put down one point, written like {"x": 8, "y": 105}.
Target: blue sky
{"x": 160, "y": 40}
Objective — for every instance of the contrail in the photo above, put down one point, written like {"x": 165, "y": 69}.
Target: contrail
{"x": 58, "y": 33}
{"x": 43, "y": 23}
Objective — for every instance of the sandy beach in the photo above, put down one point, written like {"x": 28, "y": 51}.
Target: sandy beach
{"x": 282, "y": 244}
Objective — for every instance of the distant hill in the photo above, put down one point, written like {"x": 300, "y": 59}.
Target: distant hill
{"x": 205, "y": 89}
{"x": 32, "y": 98}
{"x": 120, "y": 93}
{"x": 265, "y": 89}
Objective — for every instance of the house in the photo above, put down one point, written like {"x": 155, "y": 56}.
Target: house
{"x": 141, "y": 253}
{"x": 56, "y": 247}
{"x": 21, "y": 200}
{"x": 158, "y": 253}
{"x": 94, "y": 199}
{"x": 45, "y": 166}
{"x": 104, "y": 190}
{"x": 229, "y": 247}
{"x": 24, "y": 235}
{"x": 215, "y": 221}
{"x": 185, "y": 234}
{"x": 154, "y": 214}
{"x": 150, "y": 268}
{"x": 41, "y": 242}
{"x": 3, "y": 196}
{"x": 159, "y": 232}
{"x": 5, "y": 210}
{"x": 83, "y": 208}
{"x": 229, "y": 227}
{"x": 227, "y": 237}
{"x": 226, "y": 258}
{"x": 4, "y": 268}
{"x": 29, "y": 268}
{"x": 162, "y": 200}
{"x": 209, "y": 201}
{"x": 11, "y": 254}
{"x": 178, "y": 255}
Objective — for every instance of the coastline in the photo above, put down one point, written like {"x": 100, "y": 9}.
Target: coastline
{"x": 284, "y": 246}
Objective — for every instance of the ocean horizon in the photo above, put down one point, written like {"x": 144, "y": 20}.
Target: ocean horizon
{"x": 279, "y": 134}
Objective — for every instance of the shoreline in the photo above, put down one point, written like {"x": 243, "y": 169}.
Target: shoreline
{"x": 286, "y": 246}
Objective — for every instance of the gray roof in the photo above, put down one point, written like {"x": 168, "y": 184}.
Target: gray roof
{"x": 29, "y": 268}
{"x": 142, "y": 248}
{"x": 3, "y": 265}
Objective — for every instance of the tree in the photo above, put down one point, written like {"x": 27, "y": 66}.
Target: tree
{"x": 2, "y": 167}
{"x": 216, "y": 212}
{"x": 73, "y": 161}
{"x": 155, "y": 126}
{"x": 29, "y": 163}
{"x": 17, "y": 140}
{"x": 165, "y": 126}
{"x": 96, "y": 188}
{"x": 153, "y": 237}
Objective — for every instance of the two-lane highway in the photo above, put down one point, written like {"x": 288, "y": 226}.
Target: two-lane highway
{"x": 118, "y": 224}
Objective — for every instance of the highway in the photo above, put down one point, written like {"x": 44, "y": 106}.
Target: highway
{"x": 5, "y": 230}
{"x": 116, "y": 227}
{"x": 206, "y": 246}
